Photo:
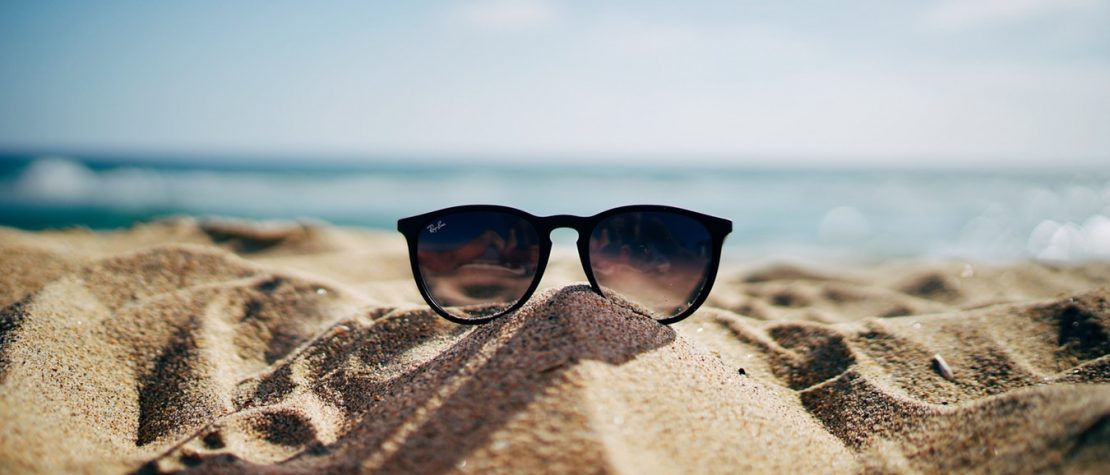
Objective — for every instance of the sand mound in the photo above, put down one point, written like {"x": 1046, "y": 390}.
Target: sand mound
{"x": 570, "y": 381}
{"x": 183, "y": 346}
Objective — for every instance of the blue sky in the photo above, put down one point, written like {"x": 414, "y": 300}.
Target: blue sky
{"x": 948, "y": 82}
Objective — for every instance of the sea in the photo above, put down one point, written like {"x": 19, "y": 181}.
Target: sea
{"x": 791, "y": 212}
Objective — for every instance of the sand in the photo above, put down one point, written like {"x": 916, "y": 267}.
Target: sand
{"x": 236, "y": 347}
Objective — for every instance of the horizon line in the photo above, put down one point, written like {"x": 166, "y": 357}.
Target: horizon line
{"x": 661, "y": 161}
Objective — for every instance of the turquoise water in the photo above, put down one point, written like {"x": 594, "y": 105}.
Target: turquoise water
{"x": 792, "y": 212}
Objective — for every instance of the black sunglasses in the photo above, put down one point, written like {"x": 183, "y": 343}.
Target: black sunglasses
{"x": 479, "y": 262}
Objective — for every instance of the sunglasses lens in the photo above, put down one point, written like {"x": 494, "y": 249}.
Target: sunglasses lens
{"x": 477, "y": 264}
{"x": 658, "y": 260}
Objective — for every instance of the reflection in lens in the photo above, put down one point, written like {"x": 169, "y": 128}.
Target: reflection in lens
{"x": 477, "y": 264}
{"x": 657, "y": 260}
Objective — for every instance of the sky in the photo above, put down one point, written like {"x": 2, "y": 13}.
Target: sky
{"x": 811, "y": 82}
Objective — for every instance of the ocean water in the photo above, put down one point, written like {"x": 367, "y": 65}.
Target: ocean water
{"x": 832, "y": 214}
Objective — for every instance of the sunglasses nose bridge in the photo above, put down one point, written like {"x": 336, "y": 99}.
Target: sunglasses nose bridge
{"x": 580, "y": 226}
{"x": 565, "y": 221}
{"x": 562, "y": 221}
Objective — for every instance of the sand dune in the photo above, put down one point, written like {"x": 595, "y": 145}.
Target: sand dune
{"x": 231, "y": 347}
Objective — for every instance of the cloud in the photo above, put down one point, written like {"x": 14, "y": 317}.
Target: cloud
{"x": 505, "y": 16}
{"x": 628, "y": 36}
{"x": 962, "y": 14}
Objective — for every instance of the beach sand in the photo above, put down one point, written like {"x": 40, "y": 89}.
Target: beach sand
{"x": 231, "y": 347}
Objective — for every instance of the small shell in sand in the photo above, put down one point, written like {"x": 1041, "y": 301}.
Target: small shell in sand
{"x": 942, "y": 367}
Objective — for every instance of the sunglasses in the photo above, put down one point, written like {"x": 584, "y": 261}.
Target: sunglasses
{"x": 475, "y": 263}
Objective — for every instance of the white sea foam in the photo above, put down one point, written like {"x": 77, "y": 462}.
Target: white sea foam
{"x": 56, "y": 179}
{"x": 1062, "y": 242}
{"x": 843, "y": 224}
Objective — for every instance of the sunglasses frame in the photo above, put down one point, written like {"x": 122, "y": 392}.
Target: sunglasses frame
{"x": 411, "y": 228}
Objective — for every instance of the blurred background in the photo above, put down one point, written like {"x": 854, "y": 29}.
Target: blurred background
{"x": 860, "y": 130}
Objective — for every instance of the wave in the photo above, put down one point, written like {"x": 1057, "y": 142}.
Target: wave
{"x": 806, "y": 214}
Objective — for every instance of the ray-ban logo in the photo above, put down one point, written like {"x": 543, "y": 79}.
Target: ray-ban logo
{"x": 433, "y": 228}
